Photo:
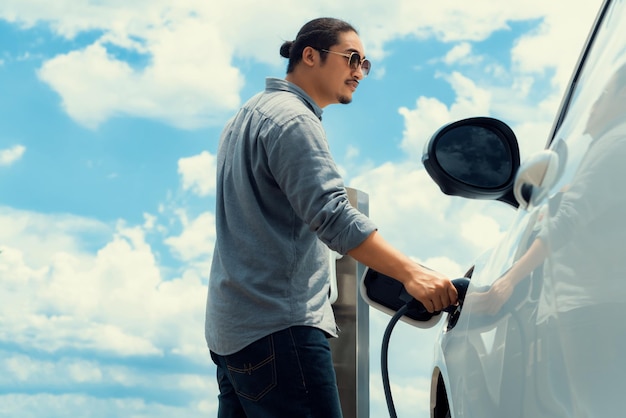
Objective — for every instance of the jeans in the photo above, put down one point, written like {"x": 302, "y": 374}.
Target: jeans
{"x": 288, "y": 374}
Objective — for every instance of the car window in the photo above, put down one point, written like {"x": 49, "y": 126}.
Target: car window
{"x": 599, "y": 77}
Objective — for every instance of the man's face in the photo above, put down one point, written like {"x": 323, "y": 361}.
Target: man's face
{"x": 336, "y": 80}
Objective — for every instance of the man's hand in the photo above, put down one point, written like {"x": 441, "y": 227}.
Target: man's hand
{"x": 434, "y": 290}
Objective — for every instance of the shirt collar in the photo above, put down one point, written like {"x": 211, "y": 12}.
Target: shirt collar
{"x": 278, "y": 84}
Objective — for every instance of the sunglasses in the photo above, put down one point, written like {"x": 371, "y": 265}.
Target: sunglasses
{"x": 354, "y": 60}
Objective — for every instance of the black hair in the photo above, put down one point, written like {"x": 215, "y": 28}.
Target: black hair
{"x": 321, "y": 33}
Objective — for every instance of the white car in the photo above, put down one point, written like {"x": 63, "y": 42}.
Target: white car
{"x": 542, "y": 329}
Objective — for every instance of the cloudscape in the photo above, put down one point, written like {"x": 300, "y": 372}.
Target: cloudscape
{"x": 111, "y": 113}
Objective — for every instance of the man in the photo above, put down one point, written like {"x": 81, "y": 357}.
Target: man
{"x": 280, "y": 198}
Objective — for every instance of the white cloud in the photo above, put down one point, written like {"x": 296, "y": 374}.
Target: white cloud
{"x": 113, "y": 298}
{"x": 459, "y": 53}
{"x": 481, "y": 230}
{"x": 82, "y": 406}
{"x": 11, "y": 155}
{"x": 80, "y": 299}
{"x": 444, "y": 233}
{"x": 191, "y": 81}
{"x": 448, "y": 266}
{"x": 197, "y": 237}
{"x": 34, "y": 238}
{"x": 513, "y": 94}
{"x": 406, "y": 205}
{"x": 194, "y": 245}
{"x": 430, "y": 114}
{"x": 182, "y": 86}
{"x": 557, "y": 42}
{"x": 352, "y": 153}
{"x": 198, "y": 173}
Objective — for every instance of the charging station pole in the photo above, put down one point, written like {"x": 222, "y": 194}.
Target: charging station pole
{"x": 351, "y": 350}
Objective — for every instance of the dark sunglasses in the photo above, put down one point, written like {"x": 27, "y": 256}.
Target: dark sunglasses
{"x": 354, "y": 60}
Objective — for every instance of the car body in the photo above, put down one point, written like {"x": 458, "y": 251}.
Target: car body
{"x": 541, "y": 332}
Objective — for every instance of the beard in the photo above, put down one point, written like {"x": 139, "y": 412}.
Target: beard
{"x": 344, "y": 99}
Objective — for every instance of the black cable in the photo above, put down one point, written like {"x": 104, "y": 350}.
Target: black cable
{"x": 384, "y": 358}
{"x": 411, "y": 304}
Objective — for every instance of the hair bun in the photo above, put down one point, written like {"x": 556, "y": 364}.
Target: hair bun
{"x": 285, "y": 49}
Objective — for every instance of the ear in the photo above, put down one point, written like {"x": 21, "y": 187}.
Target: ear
{"x": 309, "y": 56}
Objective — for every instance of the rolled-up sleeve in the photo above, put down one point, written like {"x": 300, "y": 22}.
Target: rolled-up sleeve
{"x": 301, "y": 163}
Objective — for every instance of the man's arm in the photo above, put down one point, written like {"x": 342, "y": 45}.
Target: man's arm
{"x": 433, "y": 289}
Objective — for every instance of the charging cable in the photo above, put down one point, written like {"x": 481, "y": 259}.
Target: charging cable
{"x": 461, "y": 285}
{"x": 384, "y": 357}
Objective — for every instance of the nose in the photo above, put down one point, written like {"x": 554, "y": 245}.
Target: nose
{"x": 358, "y": 73}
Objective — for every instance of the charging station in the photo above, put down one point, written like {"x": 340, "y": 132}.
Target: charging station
{"x": 351, "y": 350}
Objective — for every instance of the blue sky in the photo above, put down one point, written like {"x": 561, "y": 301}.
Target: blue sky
{"x": 110, "y": 116}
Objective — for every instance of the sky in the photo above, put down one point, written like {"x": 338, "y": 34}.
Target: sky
{"x": 110, "y": 114}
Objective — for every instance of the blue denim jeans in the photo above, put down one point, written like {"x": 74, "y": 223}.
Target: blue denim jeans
{"x": 287, "y": 374}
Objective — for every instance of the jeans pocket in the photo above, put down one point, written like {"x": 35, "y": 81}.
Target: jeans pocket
{"x": 253, "y": 370}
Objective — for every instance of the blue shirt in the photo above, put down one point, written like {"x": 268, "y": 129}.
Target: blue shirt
{"x": 280, "y": 203}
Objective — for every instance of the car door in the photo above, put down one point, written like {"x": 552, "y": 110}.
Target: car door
{"x": 540, "y": 332}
